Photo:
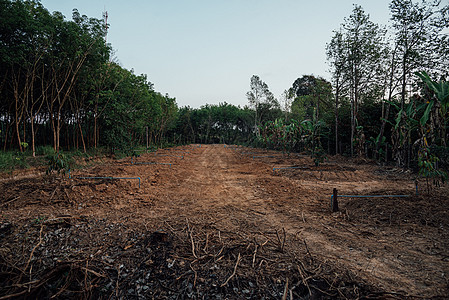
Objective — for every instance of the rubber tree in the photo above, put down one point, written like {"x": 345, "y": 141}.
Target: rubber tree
{"x": 26, "y": 33}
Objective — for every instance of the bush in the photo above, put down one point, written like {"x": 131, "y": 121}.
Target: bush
{"x": 58, "y": 162}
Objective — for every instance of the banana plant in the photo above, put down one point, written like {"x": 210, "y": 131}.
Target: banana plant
{"x": 427, "y": 161}
{"x": 312, "y": 133}
{"x": 440, "y": 101}
{"x": 441, "y": 90}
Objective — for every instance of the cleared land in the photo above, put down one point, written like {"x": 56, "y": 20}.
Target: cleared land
{"x": 221, "y": 223}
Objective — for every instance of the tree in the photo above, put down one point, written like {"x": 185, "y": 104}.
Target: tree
{"x": 419, "y": 38}
{"x": 311, "y": 93}
{"x": 420, "y": 44}
{"x": 261, "y": 99}
{"x": 25, "y": 33}
{"x": 287, "y": 97}
{"x": 336, "y": 52}
{"x": 365, "y": 53}
{"x": 56, "y": 79}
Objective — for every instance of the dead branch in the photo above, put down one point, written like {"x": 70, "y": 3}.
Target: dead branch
{"x": 205, "y": 246}
{"x": 7, "y": 202}
{"x": 308, "y": 252}
{"x": 254, "y": 255}
{"x": 52, "y": 194}
{"x": 304, "y": 280}
{"x": 281, "y": 243}
{"x": 32, "y": 252}
{"x": 233, "y": 273}
{"x": 191, "y": 238}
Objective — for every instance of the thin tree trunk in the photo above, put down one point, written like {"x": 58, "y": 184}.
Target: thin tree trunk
{"x": 404, "y": 81}
{"x": 8, "y": 125}
{"x": 82, "y": 137}
{"x": 33, "y": 147}
{"x": 337, "y": 94}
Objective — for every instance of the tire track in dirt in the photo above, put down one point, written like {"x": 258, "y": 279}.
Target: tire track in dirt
{"x": 216, "y": 185}
{"x": 215, "y": 189}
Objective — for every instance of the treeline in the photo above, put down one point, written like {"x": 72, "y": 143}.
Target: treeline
{"x": 370, "y": 64}
{"x": 59, "y": 86}
{"x": 387, "y": 96}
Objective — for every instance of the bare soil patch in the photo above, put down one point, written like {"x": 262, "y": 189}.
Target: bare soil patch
{"x": 220, "y": 223}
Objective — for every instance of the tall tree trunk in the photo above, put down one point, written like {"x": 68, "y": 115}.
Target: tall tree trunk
{"x": 404, "y": 81}
{"x": 18, "y": 133}
{"x": 337, "y": 95}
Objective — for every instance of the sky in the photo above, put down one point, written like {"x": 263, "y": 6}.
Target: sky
{"x": 205, "y": 51}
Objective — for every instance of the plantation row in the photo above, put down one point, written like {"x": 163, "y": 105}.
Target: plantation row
{"x": 60, "y": 86}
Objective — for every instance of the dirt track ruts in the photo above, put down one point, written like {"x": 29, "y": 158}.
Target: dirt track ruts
{"x": 236, "y": 193}
{"x": 381, "y": 242}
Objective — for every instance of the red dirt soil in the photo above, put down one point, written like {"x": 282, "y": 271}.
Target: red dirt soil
{"x": 219, "y": 222}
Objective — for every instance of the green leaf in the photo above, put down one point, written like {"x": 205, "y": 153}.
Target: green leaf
{"x": 426, "y": 114}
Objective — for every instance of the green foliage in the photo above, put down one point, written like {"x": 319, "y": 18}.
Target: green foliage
{"x": 44, "y": 150}
{"x": 318, "y": 155}
{"x": 428, "y": 166}
{"x": 380, "y": 142}
{"x": 58, "y": 162}
{"x": 441, "y": 90}
{"x": 39, "y": 220}
{"x": 294, "y": 136}
{"x": 11, "y": 160}
{"x": 59, "y": 83}
{"x": 281, "y": 135}
{"x": 222, "y": 123}
{"x": 436, "y": 105}
{"x": 313, "y": 95}
{"x": 442, "y": 152}
{"x": 312, "y": 134}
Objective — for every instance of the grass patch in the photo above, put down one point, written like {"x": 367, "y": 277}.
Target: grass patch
{"x": 11, "y": 160}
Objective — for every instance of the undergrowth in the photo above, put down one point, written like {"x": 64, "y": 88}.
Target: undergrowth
{"x": 63, "y": 160}
{"x": 11, "y": 160}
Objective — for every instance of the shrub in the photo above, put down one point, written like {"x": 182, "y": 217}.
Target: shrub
{"x": 58, "y": 162}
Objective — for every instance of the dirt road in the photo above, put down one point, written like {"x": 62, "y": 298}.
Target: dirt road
{"x": 216, "y": 195}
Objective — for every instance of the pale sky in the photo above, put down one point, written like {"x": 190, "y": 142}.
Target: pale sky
{"x": 205, "y": 51}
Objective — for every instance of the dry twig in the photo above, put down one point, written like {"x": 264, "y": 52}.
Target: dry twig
{"x": 233, "y": 273}
{"x": 7, "y": 202}
{"x": 304, "y": 280}
{"x": 284, "y": 297}
{"x": 254, "y": 255}
{"x": 32, "y": 252}
{"x": 191, "y": 239}
{"x": 281, "y": 243}
{"x": 308, "y": 252}
{"x": 205, "y": 246}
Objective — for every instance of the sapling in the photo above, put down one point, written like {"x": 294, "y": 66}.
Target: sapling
{"x": 57, "y": 162}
